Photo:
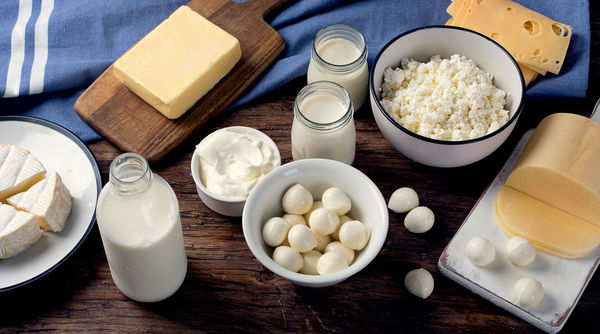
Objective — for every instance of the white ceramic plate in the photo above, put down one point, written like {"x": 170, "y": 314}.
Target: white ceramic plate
{"x": 61, "y": 151}
{"x": 563, "y": 280}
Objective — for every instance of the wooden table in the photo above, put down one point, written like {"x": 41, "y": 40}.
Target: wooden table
{"x": 228, "y": 290}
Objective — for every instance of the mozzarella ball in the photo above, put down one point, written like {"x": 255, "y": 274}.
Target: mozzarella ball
{"x": 403, "y": 200}
{"x": 520, "y": 251}
{"x": 354, "y": 235}
{"x": 288, "y": 258}
{"x": 528, "y": 292}
{"x": 336, "y": 234}
{"x": 419, "y": 219}
{"x": 274, "y": 231}
{"x": 316, "y": 205}
{"x": 335, "y": 200}
{"x": 301, "y": 238}
{"x": 480, "y": 251}
{"x": 294, "y": 219}
{"x": 330, "y": 263}
{"x": 297, "y": 200}
{"x": 337, "y": 247}
{"x": 419, "y": 282}
{"x": 323, "y": 221}
{"x": 322, "y": 242}
{"x": 310, "y": 259}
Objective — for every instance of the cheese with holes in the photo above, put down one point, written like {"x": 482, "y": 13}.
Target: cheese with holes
{"x": 18, "y": 230}
{"x": 560, "y": 166}
{"x": 178, "y": 62}
{"x": 49, "y": 200}
{"x": 548, "y": 228}
{"x": 19, "y": 170}
{"x": 532, "y": 38}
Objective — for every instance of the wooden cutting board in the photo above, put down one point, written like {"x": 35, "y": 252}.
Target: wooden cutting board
{"x": 131, "y": 124}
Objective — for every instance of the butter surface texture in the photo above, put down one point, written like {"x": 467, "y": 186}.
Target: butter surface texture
{"x": 178, "y": 62}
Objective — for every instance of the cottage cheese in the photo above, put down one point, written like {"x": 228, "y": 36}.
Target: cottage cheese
{"x": 446, "y": 99}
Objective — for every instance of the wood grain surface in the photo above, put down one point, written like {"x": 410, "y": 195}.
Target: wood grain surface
{"x": 133, "y": 125}
{"x": 227, "y": 290}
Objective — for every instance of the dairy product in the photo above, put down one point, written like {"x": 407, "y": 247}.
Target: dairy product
{"x": 528, "y": 292}
{"x": 18, "y": 230}
{"x": 354, "y": 235}
{"x": 322, "y": 242}
{"x": 419, "y": 282}
{"x": 316, "y": 205}
{"x": 323, "y": 126}
{"x": 335, "y": 200}
{"x": 330, "y": 263}
{"x": 178, "y": 62}
{"x": 138, "y": 219}
{"x": 403, "y": 200}
{"x": 520, "y": 251}
{"x": 49, "y": 200}
{"x": 338, "y": 247}
{"x": 233, "y": 161}
{"x": 19, "y": 170}
{"x": 323, "y": 221}
{"x": 275, "y": 231}
{"x": 480, "y": 251}
{"x": 288, "y": 258}
{"x": 293, "y": 219}
{"x": 310, "y": 260}
{"x": 297, "y": 200}
{"x": 301, "y": 238}
{"x": 419, "y": 219}
{"x": 445, "y": 99}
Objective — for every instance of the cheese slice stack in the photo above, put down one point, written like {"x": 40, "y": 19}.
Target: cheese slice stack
{"x": 19, "y": 170}
{"x": 18, "y": 230}
{"x": 49, "y": 200}
{"x": 552, "y": 195}
{"x": 538, "y": 43}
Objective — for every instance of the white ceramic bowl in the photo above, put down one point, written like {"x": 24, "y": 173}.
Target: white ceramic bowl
{"x": 264, "y": 202}
{"x": 420, "y": 44}
{"x": 226, "y": 206}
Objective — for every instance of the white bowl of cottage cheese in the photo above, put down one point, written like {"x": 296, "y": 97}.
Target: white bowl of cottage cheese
{"x": 445, "y": 96}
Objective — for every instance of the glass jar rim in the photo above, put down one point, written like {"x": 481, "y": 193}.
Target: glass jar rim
{"x": 321, "y": 86}
{"x": 333, "y": 31}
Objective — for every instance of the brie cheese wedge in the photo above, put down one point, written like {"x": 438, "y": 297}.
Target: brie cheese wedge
{"x": 19, "y": 170}
{"x": 18, "y": 230}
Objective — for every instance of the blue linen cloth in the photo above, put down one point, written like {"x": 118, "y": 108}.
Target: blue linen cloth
{"x": 84, "y": 37}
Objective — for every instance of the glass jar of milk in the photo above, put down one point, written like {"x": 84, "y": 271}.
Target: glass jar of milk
{"x": 339, "y": 54}
{"x": 323, "y": 125}
{"x": 138, "y": 218}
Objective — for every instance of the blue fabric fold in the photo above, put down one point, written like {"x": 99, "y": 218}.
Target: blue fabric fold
{"x": 85, "y": 37}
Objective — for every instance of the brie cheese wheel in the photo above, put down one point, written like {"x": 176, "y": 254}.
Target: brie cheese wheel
{"x": 19, "y": 170}
{"x": 49, "y": 200}
{"x": 18, "y": 230}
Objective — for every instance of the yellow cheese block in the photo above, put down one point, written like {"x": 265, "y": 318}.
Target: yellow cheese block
{"x": 528, "y": 74}
{"x": 560, "y": 165}
{"x": 532, "y": 38}
{"x": 549, "y": 229}
{"x": 178, "y": 62}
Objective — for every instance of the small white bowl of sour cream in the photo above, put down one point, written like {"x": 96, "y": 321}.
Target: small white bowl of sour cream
{"x": 228, "y": 163}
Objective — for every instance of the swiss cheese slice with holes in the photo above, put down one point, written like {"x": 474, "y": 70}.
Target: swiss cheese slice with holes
{"x": 18, "y": 230}
{"x": 532, "y": 38}
{"x": 49, "y": 200}
{"x": 19, "y": 170}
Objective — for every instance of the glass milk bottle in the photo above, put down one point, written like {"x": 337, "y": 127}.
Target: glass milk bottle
{"x": 339, "y": 54}
{"x": 138, "y": 218}
{"x": 323, "y": 125}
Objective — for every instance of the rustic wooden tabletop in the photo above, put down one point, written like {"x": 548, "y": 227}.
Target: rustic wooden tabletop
{"x": 228, "y": 290}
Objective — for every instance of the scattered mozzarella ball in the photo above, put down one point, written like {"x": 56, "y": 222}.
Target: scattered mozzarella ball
{"x": 335, "y": 200}
{"x": 316, "y": 205}
{"x": 419, "y": 219}
{"x": 520, "y": 251}
{"x": 343, "y": 219}
{"x": 323, "y": 221}
{"x": 301, "y": 238}
{"x": 274, "y": 231}
{"x": 293, "y": 219}
{"x": 354, "y": 235}
{"x": 480, "y": 251}
{"x": 310, "y": 259}
{"x": 528, "y": 292}
{"x": 288, "y": 258}
{"x": 330, "y": 263}
{"x": 403, "y": 200}
{"x": 337, "y": 247}
{"x": 419, "y": 282}
{"x": 322, "y": 242}
{"x": 297, "y": 200}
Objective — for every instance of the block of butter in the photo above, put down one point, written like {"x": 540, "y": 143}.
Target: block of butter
{"x": 178, "y": 62}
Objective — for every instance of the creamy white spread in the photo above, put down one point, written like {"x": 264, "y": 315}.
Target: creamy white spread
{"x": 232, "y": 163}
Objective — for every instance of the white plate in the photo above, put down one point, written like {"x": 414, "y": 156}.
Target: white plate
{"x": 564, "y": 280}
{"x": 59, "y": 151}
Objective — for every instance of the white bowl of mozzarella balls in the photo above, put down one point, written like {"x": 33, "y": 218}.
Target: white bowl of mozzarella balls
{"x": 315, "y": 222}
